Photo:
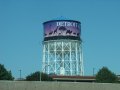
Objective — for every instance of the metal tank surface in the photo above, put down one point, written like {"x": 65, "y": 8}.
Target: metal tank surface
{"x": 62, "y": 48}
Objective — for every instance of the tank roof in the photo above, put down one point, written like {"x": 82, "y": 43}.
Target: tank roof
{"x": 61, "y": 19}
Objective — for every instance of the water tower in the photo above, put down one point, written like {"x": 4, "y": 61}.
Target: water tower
{"x": 62, "y": 48}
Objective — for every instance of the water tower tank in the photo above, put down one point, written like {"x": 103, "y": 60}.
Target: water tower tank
{"x": 62, "y": 48}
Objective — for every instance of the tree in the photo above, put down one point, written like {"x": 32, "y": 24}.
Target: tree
{"x": 4, "y": 74}
{"x": 36, "y": 77}
{"x": 104, "y": 75}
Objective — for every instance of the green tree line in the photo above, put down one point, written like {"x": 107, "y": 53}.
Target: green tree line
{"x": 5, "y": 74}
{"x": 104, "y": 75}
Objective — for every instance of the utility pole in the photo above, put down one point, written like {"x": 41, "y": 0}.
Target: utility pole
{"x": 40, "y": 76}
{"x": 41, "y": 72}
{"x": 20, "y": 73}
{"x": 93, "y": 71}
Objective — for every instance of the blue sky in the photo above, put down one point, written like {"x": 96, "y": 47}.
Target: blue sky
{"x": 21, "y": 32}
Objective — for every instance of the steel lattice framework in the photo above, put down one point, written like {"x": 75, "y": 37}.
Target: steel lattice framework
{"x": 63, "y": 57}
